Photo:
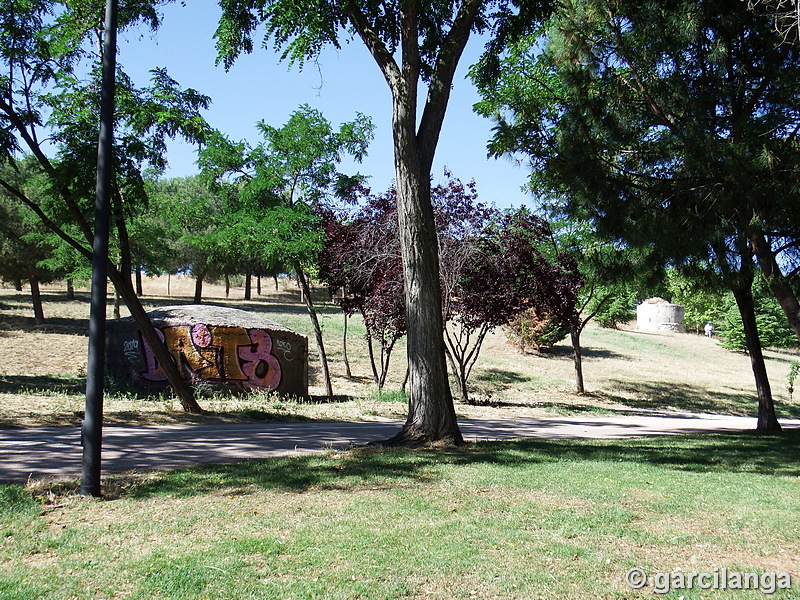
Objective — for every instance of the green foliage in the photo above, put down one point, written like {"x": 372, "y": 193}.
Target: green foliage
{"x": 531, "y": 331}
{"x": 619, "y": 107}
{"x": 617, "y": 310}
{"x": 278, "y": 182}
{"x": 794, "y": 369}
{"x": 773, "y": 329}
{"x": 702, "y": 300}
{"x": 49, "y": 118}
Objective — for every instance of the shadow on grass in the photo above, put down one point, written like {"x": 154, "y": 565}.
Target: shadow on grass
{"x": 61, "y": 325}
{"x": 500, "y": 377}
{"x": 265, "y": 306}
{"x": 740, "y": 452}
{"x": 657, "y": 395}
{"x": 565, "y": 353}
{"x": 20, "y": 384}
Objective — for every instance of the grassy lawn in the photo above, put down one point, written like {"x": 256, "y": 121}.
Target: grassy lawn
{"x": 518, "y": 520}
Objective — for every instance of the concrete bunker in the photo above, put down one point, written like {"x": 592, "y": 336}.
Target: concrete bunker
{"x": 223, "y": 347}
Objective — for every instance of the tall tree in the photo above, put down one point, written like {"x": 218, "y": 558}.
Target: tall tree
{"x": 23, "y": 251}
{"x": 672, "y": 127}
{"x": 413, "y": 43}
{"x": 280, "y": 181}
{"x": 46, "y": 43}
{"x": 608, "y": 272}
{"x": 195, "y": 223}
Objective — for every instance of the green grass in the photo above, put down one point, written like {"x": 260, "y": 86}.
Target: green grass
{"x": 636, "y": 344}
{"x": 528, "y": 519}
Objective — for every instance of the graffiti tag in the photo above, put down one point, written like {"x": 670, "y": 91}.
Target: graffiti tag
{"x": 216, "y": 354}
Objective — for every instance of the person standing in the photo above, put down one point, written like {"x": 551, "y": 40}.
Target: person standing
{"x": 709, "y": 329}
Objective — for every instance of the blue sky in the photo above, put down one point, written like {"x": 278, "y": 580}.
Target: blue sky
{"x": 341, "y": 84}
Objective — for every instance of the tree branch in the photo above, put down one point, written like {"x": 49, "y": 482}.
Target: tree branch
{"x": 45, "y": 219}
{"x": 374, "y": 44}
{"x": 34, "y": 147}
{"x": 442, "y": 79}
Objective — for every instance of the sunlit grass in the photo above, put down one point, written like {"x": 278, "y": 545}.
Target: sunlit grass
{"x": 520, "y": 520}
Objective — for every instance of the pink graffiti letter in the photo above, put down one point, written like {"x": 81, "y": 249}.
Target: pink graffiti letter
{"x": 260, "y": 366}
{"x": 153, "y": 372}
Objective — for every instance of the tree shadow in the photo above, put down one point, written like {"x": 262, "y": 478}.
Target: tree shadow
{"x": 52, "y": 384}
{"x": 565, "y": 353}
{"x": 379, "y": 468}
{"x": 500, "y": 376}
{"x": 660, "y": 395}
{"x": 62, "y": 325}
{"x": 257, "y": 306}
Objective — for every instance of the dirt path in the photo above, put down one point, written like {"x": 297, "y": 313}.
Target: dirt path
{"x": 56, "y": 452}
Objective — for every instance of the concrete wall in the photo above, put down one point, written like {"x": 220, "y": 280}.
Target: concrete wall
{"x": 659, "y": 315}
{"x": 219, "y": 346}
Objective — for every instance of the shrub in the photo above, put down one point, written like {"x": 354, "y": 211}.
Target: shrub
{"x": 533, "y": 332}
{"x": 616, "y": 311}
{"x": 773, "y": 328}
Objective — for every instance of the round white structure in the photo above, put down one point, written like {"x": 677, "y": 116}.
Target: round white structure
{"x": 656, "y": 314}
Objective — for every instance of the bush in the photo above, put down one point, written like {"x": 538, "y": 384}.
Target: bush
{"x": 533, "y": 332}
{"x": 773, "y": 328}
{"x": 617, "y": 311}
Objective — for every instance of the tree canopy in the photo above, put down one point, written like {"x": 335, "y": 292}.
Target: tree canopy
{"x": 669, "y": 127}
{"x": 413, "y": 43}
{"x": 280, "y": 183}
{"x": 50, "y": 77}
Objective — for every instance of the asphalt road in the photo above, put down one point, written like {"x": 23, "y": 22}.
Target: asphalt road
{"x": 56, "y": 452}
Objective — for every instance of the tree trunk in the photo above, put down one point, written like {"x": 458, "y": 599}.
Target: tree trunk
{"x": 117, "y": 313}
{"x": 431, "y": 414}
{"x": 577, "y": 357}
{"x": 275, "y": 277}
{"x": 457, "y": 370}
{"x": 180, "y": 388}
{"x": 347, "y": 371}
{"x": 258, "y": 285}
{"x": 312, "y": 312}
{"x": 777, "y": 283}
{"x": 371, "y": 352}
{"x": 70, "y": 289}
{"x": 227, "y": 285}
{"x": 36, "y": 298}
{"x": 767, "y": 420}
{"x": 139, "y": 289}
{"x": 198, "y": 288}
{"x": 248, "y": 286}
{"x": 18, "y": 285}
{"x": 169, "y": 278}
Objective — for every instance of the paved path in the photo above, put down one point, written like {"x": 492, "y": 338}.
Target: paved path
{"x": 56, "y": 452}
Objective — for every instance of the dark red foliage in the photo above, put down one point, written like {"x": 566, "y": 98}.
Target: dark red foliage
{"x": 493, "y": 265}
{"x": 361, "y": 264}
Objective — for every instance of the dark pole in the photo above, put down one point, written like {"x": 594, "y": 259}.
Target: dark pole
{"x": 92, "y": 431}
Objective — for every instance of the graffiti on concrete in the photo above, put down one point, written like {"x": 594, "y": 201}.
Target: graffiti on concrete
{"x": 218, "y": 354}
{"x": 285, "y": 346}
